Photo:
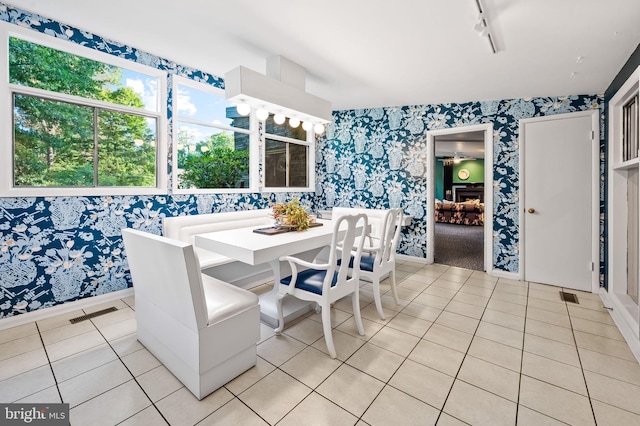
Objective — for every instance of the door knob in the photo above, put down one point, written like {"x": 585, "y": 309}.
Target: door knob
{"x": 531, "y": 210}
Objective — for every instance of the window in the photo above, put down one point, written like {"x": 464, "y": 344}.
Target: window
{"x": 287, "y": 156}
{"x": 623, "y": 209}
{"x": 630, "y": 134}
{"x": 81, "y": 125}
{"x": 212, "y": 142}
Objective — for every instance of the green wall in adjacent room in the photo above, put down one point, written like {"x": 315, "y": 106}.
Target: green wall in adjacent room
{"x": 475, "y": 168}
{"x": 439, "y": 169}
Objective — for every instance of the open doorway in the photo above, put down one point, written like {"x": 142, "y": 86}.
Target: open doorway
{"x": 460, "y": 196}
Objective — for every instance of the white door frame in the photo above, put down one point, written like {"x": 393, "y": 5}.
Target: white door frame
{"x": 488, "y": 189}
{"x": 595, "y": 189}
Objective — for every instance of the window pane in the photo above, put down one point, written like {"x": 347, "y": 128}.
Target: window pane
{"x": 285, "y": 130}
{"x": 53, "y": 143}
{"x": 285, "y": 165}
{"x": 126, "y": 149}
{"x": 46, "y": 68}
{"x": 206, "y": 106}
{"x": 275, "y": 164}
{"x": 212, "y": 158}
{"x": 297, "y": 165}
{"x": 630, "y": 134}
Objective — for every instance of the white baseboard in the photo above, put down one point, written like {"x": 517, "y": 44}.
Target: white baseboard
{"x": 408, "y": 258}
{"x": 505, "y": 274}
{"x": 41, "y": 314}
{"x": 626, "y": 328}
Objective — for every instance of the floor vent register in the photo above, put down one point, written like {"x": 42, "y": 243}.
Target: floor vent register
{"x": 92, "y": 315}
{"x": 569, "y": 297}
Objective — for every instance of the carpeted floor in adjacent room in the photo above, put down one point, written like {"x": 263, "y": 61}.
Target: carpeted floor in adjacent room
{"x": 460, "y": 245}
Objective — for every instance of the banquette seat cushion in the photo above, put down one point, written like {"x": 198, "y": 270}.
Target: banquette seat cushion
{"x": 185, "y": 228}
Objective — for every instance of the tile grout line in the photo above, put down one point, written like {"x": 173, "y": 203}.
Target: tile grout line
{"x": 125, "y": 366}
{"x": 467, "y": 351}
{"x": 584, "y": 377}
{"x": 405, "y": 357}
{"x": 524, "y": 335}
{"x": 561, "y": 362}
{"x": 386, "y": 324}
{"x": 132, "y": 375}
{"x": 363, "y": 372}
{"x": 55, "y": 379}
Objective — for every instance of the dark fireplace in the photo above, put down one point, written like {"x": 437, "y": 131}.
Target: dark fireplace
{"x": 471, "y": 193}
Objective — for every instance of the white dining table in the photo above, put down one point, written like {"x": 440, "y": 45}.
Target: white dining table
{"x": 249, "y": 247}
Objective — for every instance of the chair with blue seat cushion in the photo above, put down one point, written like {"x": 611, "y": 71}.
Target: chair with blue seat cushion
{"x": 325, "y": 283}
{"x": 379, "y": 257}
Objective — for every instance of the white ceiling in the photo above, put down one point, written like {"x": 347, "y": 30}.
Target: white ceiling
{"x": 370, "y": 53}
{"x": 464, "y": 145}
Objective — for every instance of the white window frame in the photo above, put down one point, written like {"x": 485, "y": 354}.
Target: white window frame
{"x": 254, "y": 154}
{"x": 625, "y": 312}
{"x": 6, "y": 113}
{"x": 310, "y": 143}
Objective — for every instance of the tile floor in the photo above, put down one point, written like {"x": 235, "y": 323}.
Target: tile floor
{"x": 462, "y": 347}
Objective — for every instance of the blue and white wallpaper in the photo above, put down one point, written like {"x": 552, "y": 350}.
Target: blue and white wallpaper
{"x": 376, "y": 158}
{"x": 59, "y": 249}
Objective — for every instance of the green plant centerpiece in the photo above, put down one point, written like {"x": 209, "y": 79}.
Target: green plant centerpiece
{"x": 291, "y": 213}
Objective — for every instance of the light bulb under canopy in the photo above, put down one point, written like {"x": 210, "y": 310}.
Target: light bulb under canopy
{"x": 318, "y": 129}
{"x": 262, "y": 114}
{"x": 294, "y": 122}
{"x": 243, "y": 109}
{"x": 307, "y": 125}
{"x": 279, "y": 118}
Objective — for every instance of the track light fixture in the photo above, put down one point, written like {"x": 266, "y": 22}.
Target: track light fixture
{"x": 482, "y": 26}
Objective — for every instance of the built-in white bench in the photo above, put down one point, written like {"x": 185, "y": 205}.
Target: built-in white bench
{"x": 202, "y": 329}
{"x": 185, "y": 228}
{"x": 374, "y": 216}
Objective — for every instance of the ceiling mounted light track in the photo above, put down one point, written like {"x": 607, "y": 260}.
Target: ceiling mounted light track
{"x": 482, "y": 26}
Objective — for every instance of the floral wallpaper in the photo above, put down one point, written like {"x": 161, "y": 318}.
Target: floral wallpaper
{"x": 376, "y": 158}
{"x": 59, "y": 249}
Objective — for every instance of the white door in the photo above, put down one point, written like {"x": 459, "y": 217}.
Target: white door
{"x": 559, "y": 198}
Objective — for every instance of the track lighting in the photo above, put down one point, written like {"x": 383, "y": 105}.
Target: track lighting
{"x": 482, "y": 26}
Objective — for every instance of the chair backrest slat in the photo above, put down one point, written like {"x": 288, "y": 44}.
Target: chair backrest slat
{"x": 347, "y": 241}
{"x": 391, "y": 226}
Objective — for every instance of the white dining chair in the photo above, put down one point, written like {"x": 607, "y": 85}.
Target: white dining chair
{"x": 325, "y": 283}
{"x": 379, "y": 256}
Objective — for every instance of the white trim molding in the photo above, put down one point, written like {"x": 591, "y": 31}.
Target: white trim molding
{"x": 488, "y": 189}
{"x": 44, "y": 313}
{"x": 594, "y": 114}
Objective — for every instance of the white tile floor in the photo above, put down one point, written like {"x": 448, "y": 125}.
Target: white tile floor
{"x": 463, "y": 347}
